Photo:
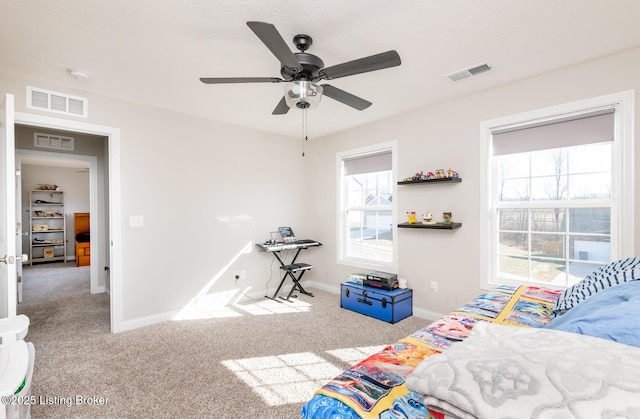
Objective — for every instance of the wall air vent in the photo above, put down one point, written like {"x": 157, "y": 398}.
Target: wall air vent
{"x": 46, "y": 100}
{"x": 54, "y": 142}
{"x": 468, "y": 72}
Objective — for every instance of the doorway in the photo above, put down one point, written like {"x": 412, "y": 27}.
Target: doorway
{"x": 77, "y": 178}
{"x": 107, "y": 220}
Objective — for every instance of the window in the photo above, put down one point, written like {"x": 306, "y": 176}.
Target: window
{"x": 366, "y": 208}
{"x": 556, "y": 193}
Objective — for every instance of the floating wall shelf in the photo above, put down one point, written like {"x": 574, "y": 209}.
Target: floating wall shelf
{"x": 437, "y": 226}
{"x": 430, "y": 181}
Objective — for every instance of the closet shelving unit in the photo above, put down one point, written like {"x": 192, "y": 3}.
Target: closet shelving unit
{"x": 47, "y": 230}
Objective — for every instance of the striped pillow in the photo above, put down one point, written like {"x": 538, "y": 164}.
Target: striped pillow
{"x": 615, "y": 273}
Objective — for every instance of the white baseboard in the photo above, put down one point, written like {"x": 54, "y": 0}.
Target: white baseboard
{"x": 322, "y": 287}
{"x": 99, "y": 290}
{"x": 427, "y": 314}
{"x": 148, "y": 320}
{"x": 171, "y": 315}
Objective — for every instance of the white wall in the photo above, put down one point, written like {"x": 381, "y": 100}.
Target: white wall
{"x": 447, "y": 136}
{"x": 208, "y": 190}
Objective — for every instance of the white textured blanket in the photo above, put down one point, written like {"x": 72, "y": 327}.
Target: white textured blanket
{"x": 512, "y": 372}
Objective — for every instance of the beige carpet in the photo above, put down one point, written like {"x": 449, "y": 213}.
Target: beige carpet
{"x": 263, "y": 362}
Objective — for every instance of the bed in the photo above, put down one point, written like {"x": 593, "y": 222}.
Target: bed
{"x": 571, "y": 352}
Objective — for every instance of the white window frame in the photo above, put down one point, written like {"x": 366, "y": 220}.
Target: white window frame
{"x": 622, "y": 243}
{"x": 342, "y": 259}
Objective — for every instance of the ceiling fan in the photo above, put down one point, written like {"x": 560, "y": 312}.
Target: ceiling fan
{"x": 301, "y": 71}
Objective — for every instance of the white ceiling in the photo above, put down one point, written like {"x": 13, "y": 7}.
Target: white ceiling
{"x": 154, "y": 51}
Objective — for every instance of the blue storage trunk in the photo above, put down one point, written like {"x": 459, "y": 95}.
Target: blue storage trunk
{"x": 389, "y": 306}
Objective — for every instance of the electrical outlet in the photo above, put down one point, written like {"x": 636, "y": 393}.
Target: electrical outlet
{"x": 136, "y": 221}
{"x": 236, "y": 274}
{"x": 243, "y": 274}
{"x": 434, "y": 286}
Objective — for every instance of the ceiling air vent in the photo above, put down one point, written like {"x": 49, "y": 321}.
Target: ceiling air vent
{"x": 47, "y": 100}
{"x": 468, "y": 72}
{"x": 55, "y": 142}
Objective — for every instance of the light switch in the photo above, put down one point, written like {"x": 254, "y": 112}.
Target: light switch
{"x": 136, "y": 221}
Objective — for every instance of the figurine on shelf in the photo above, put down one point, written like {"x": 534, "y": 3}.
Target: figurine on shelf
{"x": 412, "y": 217}
{"x": 430, "y": 176}
{"x": 440, "y": 174}
{"x": 447, "y": 218}
{"x": 428, "y": 218}
{"x": 452, "y": 174}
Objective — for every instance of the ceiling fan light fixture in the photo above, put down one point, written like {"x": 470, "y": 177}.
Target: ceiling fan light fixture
{"x": 302, "y": 94}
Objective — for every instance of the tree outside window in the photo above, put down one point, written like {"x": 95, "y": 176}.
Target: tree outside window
{"x": 554, "y": 213}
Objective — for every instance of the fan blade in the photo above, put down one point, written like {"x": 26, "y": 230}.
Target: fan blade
{"x": 345, "y": 97}
{"x": 281, "y": 108}
{"x": 270, "y": 36}
{"x": 222, "y": 80}
{"x": 362, "y": 65}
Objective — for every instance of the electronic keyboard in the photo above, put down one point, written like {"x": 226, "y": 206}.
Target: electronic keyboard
{"x": 280, "y": 246}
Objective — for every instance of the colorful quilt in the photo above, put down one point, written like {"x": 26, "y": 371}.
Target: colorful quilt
{"x": 375, "y": 387}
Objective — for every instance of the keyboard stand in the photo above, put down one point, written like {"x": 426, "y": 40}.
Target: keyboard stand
{"x": 289, "y": 271}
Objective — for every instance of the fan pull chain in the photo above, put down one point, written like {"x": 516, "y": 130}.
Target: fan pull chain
{"x": 304, "y": 129}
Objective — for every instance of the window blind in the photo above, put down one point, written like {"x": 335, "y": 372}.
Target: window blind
{"x": 580, "y": 130}
{"x": 368, "y": 163}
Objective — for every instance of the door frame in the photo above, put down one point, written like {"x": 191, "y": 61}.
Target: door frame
{"x": 112, "y": 135}
{"x": 93, "y": 202}
{"x": 8, "y": 277}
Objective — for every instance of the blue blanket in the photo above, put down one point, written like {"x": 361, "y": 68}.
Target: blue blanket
{"x": 613, "y": 314}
